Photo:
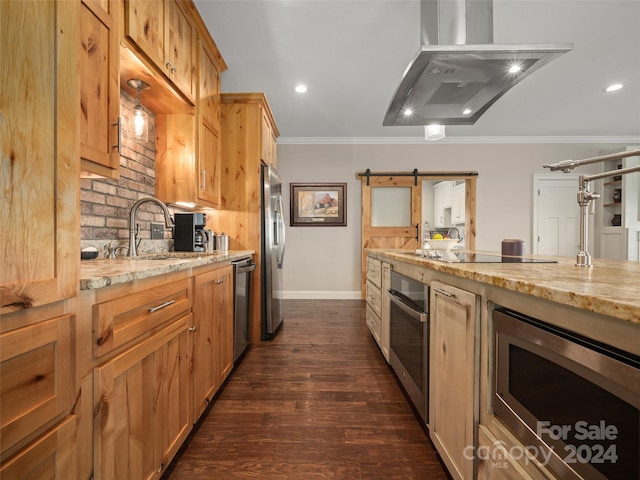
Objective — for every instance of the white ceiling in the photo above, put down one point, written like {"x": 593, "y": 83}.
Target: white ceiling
{"x": 352, "y": 53}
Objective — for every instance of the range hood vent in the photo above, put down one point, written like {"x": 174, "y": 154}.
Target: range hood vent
{"x": 458, "y": 73}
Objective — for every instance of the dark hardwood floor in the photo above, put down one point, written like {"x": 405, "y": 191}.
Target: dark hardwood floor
{"x": 318, "y": 401}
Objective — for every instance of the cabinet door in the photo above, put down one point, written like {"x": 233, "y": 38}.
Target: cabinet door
{"x": 144, "y": 24}
{"x": 209, "y": 90}
{"x": 99, "y": 88}
{"x": 37, "y": 377}
{"x": 265, "y": 139}
{"x": 179, "y": 49}
{"x": 39, "y": 172}
{"x": 224, "y": 321}
{"x": 51, "y": 456}
{"x": 141, "y": 411}
{"x": 457, "y": 206}
{"x": 452, "y": 393}
{"x": 209, "y": 167}
{"x": 213, "y": 336}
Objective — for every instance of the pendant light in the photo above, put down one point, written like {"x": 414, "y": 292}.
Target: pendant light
{"x": 433, "y": 133}
{"x": 140, "y": 131}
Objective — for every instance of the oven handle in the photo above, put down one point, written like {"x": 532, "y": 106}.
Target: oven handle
{"x": 413, "y": 313}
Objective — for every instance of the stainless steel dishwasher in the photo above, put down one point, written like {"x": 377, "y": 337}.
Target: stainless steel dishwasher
{"x": 242, "y": 288}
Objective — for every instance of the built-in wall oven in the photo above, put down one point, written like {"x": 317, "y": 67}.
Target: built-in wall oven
{"x": 409, "y": 338}
{"x": 572, "y": 402}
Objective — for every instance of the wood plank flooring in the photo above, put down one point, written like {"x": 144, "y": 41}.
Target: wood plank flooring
{"x": 318, "y": 401}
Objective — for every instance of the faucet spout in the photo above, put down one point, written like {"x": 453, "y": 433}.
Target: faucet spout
{"x": 133, "y": 252}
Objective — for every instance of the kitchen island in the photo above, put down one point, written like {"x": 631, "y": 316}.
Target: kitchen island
{"x": 599, "y": 305}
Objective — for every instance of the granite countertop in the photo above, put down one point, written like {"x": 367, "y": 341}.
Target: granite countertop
{"x": 610, "y": 288}
{"x": 101, "y": 273}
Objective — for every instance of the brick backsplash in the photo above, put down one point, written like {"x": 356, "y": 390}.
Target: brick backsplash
{"x": 105, "y": 203}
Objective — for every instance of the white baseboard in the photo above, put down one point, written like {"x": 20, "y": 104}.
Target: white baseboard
{"x": 320, "y": 295}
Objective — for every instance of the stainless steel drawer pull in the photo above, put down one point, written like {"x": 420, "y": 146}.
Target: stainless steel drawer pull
{"x": 161, "y": 306}
{"x": 445, "y": 293}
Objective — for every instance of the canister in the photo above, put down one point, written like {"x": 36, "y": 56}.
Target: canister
{"x": 222, "y": 242}
{"x": 513, "y": 247}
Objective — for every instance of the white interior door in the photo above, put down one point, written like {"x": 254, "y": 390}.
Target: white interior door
{"x": 556, "y": 215}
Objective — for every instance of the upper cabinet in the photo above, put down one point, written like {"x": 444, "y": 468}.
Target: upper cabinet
{"x": 99, "y": 54}
{"x": 208, "y": 111}
{"x": 188, "y": 155}
{"x": 39, "y": 171}
{"x": 164, "y": 33}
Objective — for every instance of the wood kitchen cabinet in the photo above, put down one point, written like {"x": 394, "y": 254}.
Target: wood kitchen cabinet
{"x": 141, "y": 416}
{"x": 40, "y": 154}
{"x": 164, "y": 33}
{"x": 141, "y": 377}
{"x": 213, "y": 334}
{"x": 209, "y": 147}
{"x": 39, "y": 173}
{"x": 374, "y": 298}
{"x": 188, "y": 160}
{"x": 377, "y": 310}
{"x": 99, "y": 110}
{"x": 452, "y": 376}
{"x": 244, "y": 116}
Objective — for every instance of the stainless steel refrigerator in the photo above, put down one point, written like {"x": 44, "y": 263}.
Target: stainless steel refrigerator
{"x": 272, "y": 227}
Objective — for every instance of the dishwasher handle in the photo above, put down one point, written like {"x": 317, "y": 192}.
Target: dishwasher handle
{"x": 244, "y": 265}
{"x": 246, "y": 268}
{"x": 412, "y": 312}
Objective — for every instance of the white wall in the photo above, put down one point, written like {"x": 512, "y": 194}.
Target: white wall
{"x": 324, "y": 262}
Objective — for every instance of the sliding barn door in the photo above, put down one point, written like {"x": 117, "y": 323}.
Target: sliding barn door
{"x": 391, "y": 215}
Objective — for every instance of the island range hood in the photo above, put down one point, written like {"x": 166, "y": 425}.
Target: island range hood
{"x": 458, "y": 73}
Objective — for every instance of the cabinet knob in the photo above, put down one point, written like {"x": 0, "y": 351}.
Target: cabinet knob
{"x": 192, "y": 329}
{"x": 168, "y": 65}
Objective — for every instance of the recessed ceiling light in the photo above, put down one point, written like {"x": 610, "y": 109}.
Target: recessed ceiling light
{"x": 300, "y": 88}
{"x": 407, "y": 112}
{"x": 466, "y": 111}
{"x": 515, "y": 68}
{"x": 613, "y": 87}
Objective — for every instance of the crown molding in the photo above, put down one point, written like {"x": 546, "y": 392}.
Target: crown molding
{"x": 623, "y": 140}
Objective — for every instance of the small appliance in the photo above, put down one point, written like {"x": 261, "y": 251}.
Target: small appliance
{"x": 190, "y": 234}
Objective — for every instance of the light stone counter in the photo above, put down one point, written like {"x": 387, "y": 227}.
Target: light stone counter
{"x": 610, "y": 288}
{"x": 101, "y": 273}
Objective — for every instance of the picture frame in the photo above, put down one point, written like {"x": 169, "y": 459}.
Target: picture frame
{"x": 318, "y": 205}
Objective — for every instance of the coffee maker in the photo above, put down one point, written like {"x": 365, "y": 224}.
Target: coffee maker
{"x": 189, "y": 234}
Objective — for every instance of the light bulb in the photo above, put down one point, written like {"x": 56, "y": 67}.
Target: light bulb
{"x": 140, "y": 121}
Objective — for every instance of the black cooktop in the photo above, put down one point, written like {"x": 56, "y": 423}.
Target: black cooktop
{"x": 466, "y": 257}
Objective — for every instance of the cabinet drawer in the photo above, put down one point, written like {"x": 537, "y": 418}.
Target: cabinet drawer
{"x": 374, "y": 298}
{"x": 374, "y": 271}
{"x": 50, "y": 456}
{"x": 116, "y": 322}
{"x": 37, "y": 379}
{"x": 375, "y": 324}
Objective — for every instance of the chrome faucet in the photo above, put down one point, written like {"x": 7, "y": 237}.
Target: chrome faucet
{"x": 586, "y": 196}
{"x": 133, "y": 251}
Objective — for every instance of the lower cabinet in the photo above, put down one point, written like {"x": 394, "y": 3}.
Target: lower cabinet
{"x": 37, "y": 394}
{"x": 494, "y": 460}
{"x": 213, "y": 334}
{"x": 452, "y": 377}
{"x": 141, "y": 414}
{"x": 51, "y": 456}
{"x": 377, "y": 311}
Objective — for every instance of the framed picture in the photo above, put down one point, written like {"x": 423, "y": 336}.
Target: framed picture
{"x": 318, "y": 204}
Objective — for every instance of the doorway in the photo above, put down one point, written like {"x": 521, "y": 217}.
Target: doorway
{"x": 556, "y": 216}
{"x": 392, "y": 210}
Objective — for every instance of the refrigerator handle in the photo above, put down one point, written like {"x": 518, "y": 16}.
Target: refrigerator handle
{"x": 279, "y": 234}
